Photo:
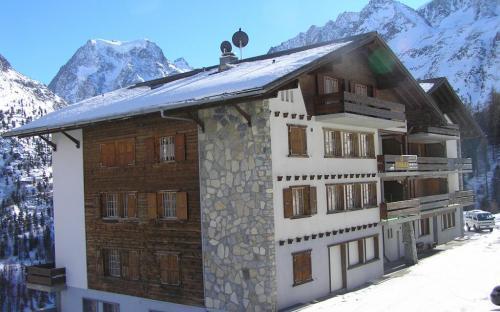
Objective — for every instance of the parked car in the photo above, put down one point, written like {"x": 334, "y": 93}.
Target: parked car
{"x": 479, "y": 220}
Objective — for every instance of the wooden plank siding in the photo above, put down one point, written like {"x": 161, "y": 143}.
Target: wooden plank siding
{"x": 147, "y": 235}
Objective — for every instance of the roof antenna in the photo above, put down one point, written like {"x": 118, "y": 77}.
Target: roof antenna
{"x": 240, "y": 40}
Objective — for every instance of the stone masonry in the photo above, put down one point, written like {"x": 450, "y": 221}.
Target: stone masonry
{"x": 237, "y": 209}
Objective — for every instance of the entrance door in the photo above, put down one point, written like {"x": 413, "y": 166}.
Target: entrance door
{"x": 337, "y": 255}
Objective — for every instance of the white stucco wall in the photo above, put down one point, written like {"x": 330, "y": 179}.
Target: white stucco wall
{"x": 316, "y": 164}
{"x": 72, "y": 298}
{"x": 69, "y": 216}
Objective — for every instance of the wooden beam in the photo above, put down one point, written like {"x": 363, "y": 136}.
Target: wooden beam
{"x": 77, "y": 143}
{"x": 244, "y": 114}
{"x": 194, "y": 116}
{"x": 49, "y": 142}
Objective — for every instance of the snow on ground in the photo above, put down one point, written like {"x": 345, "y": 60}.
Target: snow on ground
{"x": 459, "y": 278}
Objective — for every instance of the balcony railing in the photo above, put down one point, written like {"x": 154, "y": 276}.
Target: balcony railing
{"x": 46, "y": 277}
{"x": 426, "y": 204}
{"x": 346, "y": 102}
{"x": 447, "y": 130}
{"x": 408, "y": 163}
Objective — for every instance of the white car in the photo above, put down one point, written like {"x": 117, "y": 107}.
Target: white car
{"x": 479, "y": 220}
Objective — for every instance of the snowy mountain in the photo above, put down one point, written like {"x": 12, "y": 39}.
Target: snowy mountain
{"x": 458, "y": 39}
{"x": 101, "y": 66}
{"x": 25, "y": 188}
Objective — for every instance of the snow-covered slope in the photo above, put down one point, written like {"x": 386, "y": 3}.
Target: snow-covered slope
{"x": 25, "y": 188}
{"x": 101, "y": 66}
{"x": 458, "y": 39}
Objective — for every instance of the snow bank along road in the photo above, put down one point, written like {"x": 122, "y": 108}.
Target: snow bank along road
{"x": 459, "y": 278}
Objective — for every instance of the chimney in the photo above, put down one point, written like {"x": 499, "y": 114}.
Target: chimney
{"x": 226, "y": 59}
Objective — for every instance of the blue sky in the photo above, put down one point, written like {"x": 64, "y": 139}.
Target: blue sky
{"x": 38, "y": 37}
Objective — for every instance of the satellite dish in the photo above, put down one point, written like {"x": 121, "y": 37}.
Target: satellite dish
{"x": 240, "y": 39}
{"x": 226, "y": 47}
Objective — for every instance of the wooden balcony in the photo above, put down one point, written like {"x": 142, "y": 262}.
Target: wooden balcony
{"x": 405, "y": 164}
{"x": 432, "y": 134}
{"x": 46, "y": 277}
{"x": 349, "y": 108}
{"x": 426, "y": 205}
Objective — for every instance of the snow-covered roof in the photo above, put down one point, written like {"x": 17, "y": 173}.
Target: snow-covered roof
{"x": 245, "y": 78}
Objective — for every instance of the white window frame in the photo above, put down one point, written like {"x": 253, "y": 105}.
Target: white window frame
{"x": 112, "y": 205}
{"x": 114, "y": 264}
{"x": 331, "y": 198}
{"x": 298, "y": 201}
{"x": 349, "y": 196}
{"x": 169, "y": 204}
{"x": 167, "y": 148}
{"x": 330, "y": 85}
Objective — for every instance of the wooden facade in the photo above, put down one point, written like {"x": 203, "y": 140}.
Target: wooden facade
{"x": 160, "y": 256}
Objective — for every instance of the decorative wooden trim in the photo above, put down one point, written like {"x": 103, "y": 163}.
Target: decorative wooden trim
{"x": 276, "y": 114}
{"x": 49, "y": 142}
{"x": 77, "y": 142}
{"x": 301, "y": 117}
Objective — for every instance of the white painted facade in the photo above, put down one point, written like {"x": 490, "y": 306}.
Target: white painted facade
{"x": 316, "y": 164}
{"x": 69, "y": 212}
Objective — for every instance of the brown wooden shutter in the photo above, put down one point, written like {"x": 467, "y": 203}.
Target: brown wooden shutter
{"x": 180, "y": 147}
{"x": 150, "y": 150}
{"x": 307, "y": 267}
{"x": 108, "y": 154}
{"x": 102, "y": 206}
{"x": 297, "y": 140}
{"x": 134, "y": 265}
{"x": 313, "y": 200}
{"x": 160, "y": 210}
{"x": 338, "y": 143}
{"x": 132, "y": 205}
{"x": 99, "y": 263}
{"x": 356, "y": 194}
{"x": 124, "y": 260}
{"x": 181, "y": 205}
{"x": 303, "y": 141}
{"x": 104, "y": 261}
{"x": 121, "y": 204}
{"x": 287, "y": 203}
{"x": 297, "y": 273}
{"x": 339, "y": 191}
{"x": 174, "y": 271}
{"x": 307, "y": 203}
{"x": 152, "y": 205}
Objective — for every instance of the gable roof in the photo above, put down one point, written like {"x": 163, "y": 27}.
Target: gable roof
{"x": 252, "y": 78}
{"x": 451, "y": 105}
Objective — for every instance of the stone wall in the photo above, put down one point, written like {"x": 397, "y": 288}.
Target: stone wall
{"x": 237, "y": 209}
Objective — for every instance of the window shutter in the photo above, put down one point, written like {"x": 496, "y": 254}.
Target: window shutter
{"x": 121, "y": 153}
{"x": 303, "y": 141}
{"x": 307, "y": 203}
{"x": 124, "y": 260}
{"x": 134, "y": 265}
{"x": 287, "y": 203}
{"x": 104, "y": 261}
{"x": 296, "y": 268}
{"x": 102, "y": 206}
{"x": 338, "y": 144}
{"x": 180, "y": 147}
{"x": 130, "y": 152}
{"x": 357, "y": 195}
{"x": 307, "y": 267}
{"x": 99, "y": 263}
{"x": 108, "y": 154}
{"x": 320, "y": 81}
{"x": 151, "y": 150}
{"x": 173, "y": 266}
{"x": 313, "y": 200}
{"x": 152, "y": 205}
{"x": 121, "y": 204}
{"x": 373, "y": 193}
{"x": 181, "y": 208}
{"x": 132, "y": 205}
{"x": 297, "y": 140}
{"x": 164, "y": 264}
{"x": 361, "y": 251}
{"x": 160, "y": 210}
{"x": 339, "y": 192}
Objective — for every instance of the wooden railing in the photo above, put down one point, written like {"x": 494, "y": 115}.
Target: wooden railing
{"x": 426, "y": 204}
{"x": 346, "y": 102}
{"x": 449, "y": 130}
{"x": 405, "y": 163}
{"x": 46, "y": 275}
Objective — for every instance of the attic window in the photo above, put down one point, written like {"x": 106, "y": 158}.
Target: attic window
{"x": 286, "y": 95}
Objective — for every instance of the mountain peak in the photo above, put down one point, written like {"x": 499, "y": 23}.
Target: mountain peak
{"x": 103, "y": 65}
{"x": 4, "y": 64}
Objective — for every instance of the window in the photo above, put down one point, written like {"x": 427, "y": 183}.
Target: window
{"x": 90, "y": 305}
{"x": 287, "y": 95}
{"x": 360, "y": 89}
{"x": 366, "y": 145}
{"x": 299, "y": 201}
{"x": 355, "y": 252}
{"x": 167, "y": 148}
{"x": 369, "y": 194}
{"x": 335, "y": 198}
{"x": 302, "y": 271}
{"x": 333, "y": 144}
{"x": 331, "y": 85}
{"x": 349, "y": 196}
{"x": 389, "y": 234}
{"x": 363, "y": 250}
{"x": 114, "y": 262}
{"x": 349, "y": 146}
{"x": 297, "y": 141}
{"x": 117, "y": 153}
{"x": 110, "y": 307}
{"x": 169, "y": 269}
{"x": 370, "y": 249}
{"x": 448, "y": 220}
{"x": 168, "y": 204}
{"x": 424, "y": 228}
{"x": 111, "y": 205}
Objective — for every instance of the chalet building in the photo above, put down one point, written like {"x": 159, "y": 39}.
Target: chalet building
{"x": 255, "y": 185}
